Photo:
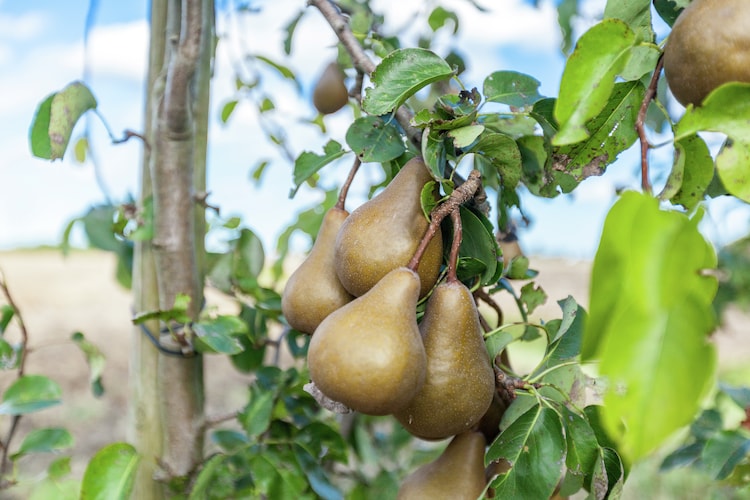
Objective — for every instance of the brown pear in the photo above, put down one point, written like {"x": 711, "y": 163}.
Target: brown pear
{"x": 383, "y": 234}
{"x": 457, "y": 474}
{"x": 460, "y": 382}
{"x": 368, "y": 354}
{"x": 314, "y": 291}
{"x": 709, "y": 45}
{"x": 330, "y": 94}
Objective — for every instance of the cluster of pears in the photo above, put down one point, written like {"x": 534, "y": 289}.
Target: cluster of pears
{"x": 357, "y": 294}
{"x": 709, "y": 45}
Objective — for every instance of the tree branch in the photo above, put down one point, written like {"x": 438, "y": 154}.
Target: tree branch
{"x": 640, "y": 124}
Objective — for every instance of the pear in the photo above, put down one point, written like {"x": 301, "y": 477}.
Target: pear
{"x": 457, "y": 474}
{"x": 314, "y": 291}
{"x": 709, "y": 45}
{"x": 330, "y": 94}
{"x": 368, "y": 354}
{"x": 383, "y": 234}
{"x": 460, "y": 382}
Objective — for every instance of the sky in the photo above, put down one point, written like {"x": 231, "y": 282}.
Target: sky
{"x": 42, "y": 50}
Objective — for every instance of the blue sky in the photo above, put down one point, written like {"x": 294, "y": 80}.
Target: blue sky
{"x": 41, "y": 50}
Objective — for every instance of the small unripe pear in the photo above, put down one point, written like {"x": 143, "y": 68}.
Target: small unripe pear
{"x": 330, "y": 94}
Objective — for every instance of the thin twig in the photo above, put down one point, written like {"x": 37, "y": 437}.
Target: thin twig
{"x": 4, "y": 463}
{"x": 345, "y": 188}
{"x": 640, "y": 124}
{"x": 482, "y": 294}
{"x": 459, "y": 196}
{"x": 455, "y": 245}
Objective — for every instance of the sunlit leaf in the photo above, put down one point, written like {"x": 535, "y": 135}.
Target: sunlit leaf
{"x": 110, "y": 474}
{"x": 589, "y": 77}
{"x": 611, "y": 132}
{"x": 283, "y": 70}
{"x": 636, "y": 13}
{"x": 400, "y": 75}
{"x": 503, "y": 154}
{"x": 725, "y": 110}
{"x": 228, "y": 109}
{"x": 650, "y": 301}
{"x": 30, "y": 393}
{"x": 692, "y": 171}
{"x": 55, "y": 119}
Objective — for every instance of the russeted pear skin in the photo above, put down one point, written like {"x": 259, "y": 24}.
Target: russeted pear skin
{"x": 383, "y": 234}
{"x": 457, "y": 474}
{"x": 330, "y": 94}
{"x": 460, "y": 381}
{"x": 313, "y": 291}
{"x": 709, "y": 45}
{"x": 368, "y": 354}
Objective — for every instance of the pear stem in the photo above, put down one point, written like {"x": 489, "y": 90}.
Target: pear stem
{"x": 455, "y": 245}
{"x": 458, "y": 197}
{"x": 640, "y": 124}
{"x": 345, "y": 188}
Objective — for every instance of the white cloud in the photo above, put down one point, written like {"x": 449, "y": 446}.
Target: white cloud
{"x": 120, "y": 50}
{"x": 23, "y": 27}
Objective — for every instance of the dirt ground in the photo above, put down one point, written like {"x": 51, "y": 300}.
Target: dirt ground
{"x": 59, "y": 295}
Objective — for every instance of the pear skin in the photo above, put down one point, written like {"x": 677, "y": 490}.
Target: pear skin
{"x": 383, "y": 234}
{"x": 460, "y": 382}
{"x": 457, "y": 474}
{"x": 330, "y": 94}
{"x": 314, "y": 291}
{"x": 368, "y": 354}
{"x": 708, "y": 46}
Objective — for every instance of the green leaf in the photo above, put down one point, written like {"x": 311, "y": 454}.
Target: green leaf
{"x": 316, "y": 475}
{"x": 206, "y": 480}
{"x": 218, "y": 335}
{"x": 283, "y": 70}
{"x": 276, "y": 476}
{"x": 228, "y": 109}
{"x": 740, "y": 395}
{"x": 692, "y": 172}
{"x": 438, "y": 18}
{"x": 434, "y": 151}
{"x": 6, "y": 315}
{"x": 465, "y": 136}
{"x": 229, "y": 440}
{"x": 566, "y": 10}
{"x": 45, "y": 440}
{"x": 511, "y": 88}
{"x": 610, "y": 133}
{"x": 582, "y": 449}
{"x": 532, "y": 296}
{"x": 566, "y": 344}
{"x": 589, "y": 77}
{"x": 642, "y": 61}
{"x": 503, "y": 154}
{"x": 479, "y": 243}
{"x": 724, "y": 451}
{"x": 400, "y": 75}
{"x": 111, "y": 473}
{"x": 374, "y": 140}
{"x": 290, "y": 28}
{"x": 670, "y": 9}
{"x": 80, "y": 149}
{"x": 30, "y": 393}
{"x": 651, "y": 302}
{"x": 256, "y": 416}
{"x": 725, "y": 110}
{"x": 95, "y": 359}
{"x": 534, "y": 445}
{"x": 9, "y": 355}
{"x": 59, "y": 468}
{"x": 636, "y": 13}
{"x": 608, "y": 476}
{"x": 308, "y": 164}
{"x": 55, "y": 119}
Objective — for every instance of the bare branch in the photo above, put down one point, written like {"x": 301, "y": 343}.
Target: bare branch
{"x": 640, "y": 124}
